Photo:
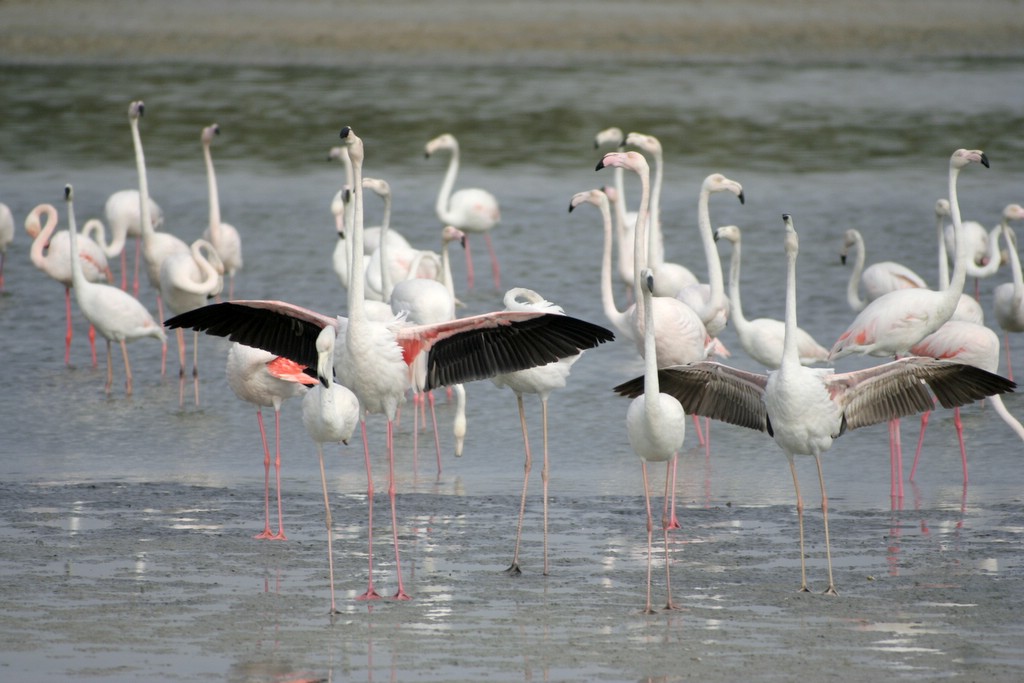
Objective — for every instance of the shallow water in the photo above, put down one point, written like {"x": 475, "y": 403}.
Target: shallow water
{"x": 861, "y": 145}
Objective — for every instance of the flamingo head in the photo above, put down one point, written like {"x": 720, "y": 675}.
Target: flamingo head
{"x": 962, "y": 157}
{"x": 716, "y": 182}
{"x": 633, "y": 161}
{"x": 729, "y": 233}
{"x": 609, "y": 136}
{"x": 209, "y": 132}
{"x": 136, "y": 109}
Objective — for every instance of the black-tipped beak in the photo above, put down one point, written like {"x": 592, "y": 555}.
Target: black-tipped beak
{"x": 67, "y": 192}
{"x": 743, "y": 199}
{"x": 142, "y": 109}
{"x": 323, "y": 382}
{"x": 786, "y": 217}
{"x": 842, "y": 259}
{"x": 600, "y": 165}
{"x": 716, "y": 235}
{"x": 462, "y": 241}
{"x": 571, "y": 207}
{"x": 344, "y": 132}
{"x": 984, "y": 160}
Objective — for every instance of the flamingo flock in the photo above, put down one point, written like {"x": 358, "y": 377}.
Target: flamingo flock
{"x": 399, "y": 334}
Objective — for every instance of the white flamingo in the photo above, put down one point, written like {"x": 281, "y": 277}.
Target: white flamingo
{"x": 806, "y": 409}
{"x": 762, "y": 338}
{"x": 540, "y": 380}
{"x": 187, "y": 281}
{"x": 374, "y": 359}
{"x": 156, "y": 246}
{"x": 223, "y": 236}
{"x": 894, "y": 322}
{"x": 116, "y": 314}
{"x": 330, "y": 413}
{"x": 124, "y": 218}
{"x": 656, "y": 427}
{"x": 51, "y": 252}
{"x": 249, "y": 374}
{"x": 878, "y": 278}
{"x": 471, "y": 210}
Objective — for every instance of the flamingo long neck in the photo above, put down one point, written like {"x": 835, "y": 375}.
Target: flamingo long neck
{"x": 386, "y": 286}
{"x": 655, "y": 240}
{"x": 651, "y": 386}
{"x": 211, "y": 185}
{"x": 446, "y": 269}
{"x": 790, "y": 351}
{"x": 357, "y": 269}
{"x": 42, "y": 238}
{"x": 1018, "y": 277}
{"x": 140, "y": 167}
{"x": 853, "y": 286}
{"x": 640, "y": 260}
{"x": 444, "y": 194}
{"x": 991, "y": 266}
{"x": 95, "y": 229}
{"x": 607, "y": 294}
{"x": 943, "y": 256}
{"x": 622, "y": 230}
{"x": 959, "y": 276}
{"x": 736, "y": 308}
{"x": 210, "y": 277}
{"x": 77, "y": 276}
{"x": 710, "y": 252}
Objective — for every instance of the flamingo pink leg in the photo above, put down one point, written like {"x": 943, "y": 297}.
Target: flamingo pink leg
{"x": 67, "y": 336}
{"x": 135, "y": 282}
{"x": 1009, "y": 365}
{"x": 513, "y": 568}
{"x": 670, "y": 500}
{"x": 370, "y": 593}
{"x": 92, "y": 344}
{"x": 400, "y": 594}
{"x": 330, "y": 525}
{"x": 279, "y": 536}
{"x": 127, "y": 367}
{"x": 960, "y": 437}
{"x": 665, "y": 526}
{"x": 925, "y": 417}
{"x": 469, "y": 263}
{"x": 124, "y": 270}
{"x": 700, "y": 432}
{"x": 266, "y": 533}
{"x": 650, "y": 532}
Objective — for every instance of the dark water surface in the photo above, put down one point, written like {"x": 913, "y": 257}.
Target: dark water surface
{"x": 862, "y": 145}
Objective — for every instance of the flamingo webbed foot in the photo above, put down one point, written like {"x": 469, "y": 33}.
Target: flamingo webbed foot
{"x": 514, "y": 570}
{"x": 401, "y": 595}
{"x": 831, "y": 590}
{"x": 370, "y": 594}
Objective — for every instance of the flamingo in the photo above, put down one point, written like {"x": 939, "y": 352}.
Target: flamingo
{"x": 471, "y": 210}
{"x": 116, "y": 314}
{"x": 186, "y": 282}
{"x": 122, "y": 210}
{"x": 669, "y": 277}
{"x": 894, "y": 322}
{"x": 982, "y": 247}
{"x": 656, "y": 427}
{"x": 330, "y": 413}
{"x": 156, "y": 246}
{"x": 6, "y": 235}
{"x": 974, "y": 344}
{"x": 223, "y": 236}
{"x": 250, "y": 376}
{"x": 806, "y": 409}
{"x": 620, "y": 320}
{"x": 540, "y": 380}
{"x": 1008, "y": 298}
{"x": 709, "y": 301}
{"x": 762, "y": 338}
{"x": 51, "y": 253}
{"x": 374, "y": 359}
{"x": 680, "y": 335}
{"x": 878, "y": 278}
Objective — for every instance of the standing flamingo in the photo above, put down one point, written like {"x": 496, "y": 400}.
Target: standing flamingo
{"x": 806, "y": 409}
{"x": 156, "y": 246}
{"x": 6, "y": 235}
{"x": 330, "y": 413}
{"x": 51, "y": 253}
{"x": 656, "y": 427}
{"x": 894, "y": 322}
{"x": 249, "y": 376}
{"x": 540, "y": 380}
{"x": 762, "y": 338}
{"x": 1008, "y": 298}
{"x": 878, "y": 278}
{"x": 223, "y": 236}
{"x": 116, "y": 314}
{"x": 375, "y": 357}
{"x": 187, "y": 281}
{"x": 974, "y": 344}
{"x": 471, "y": 210}
{"x": 124, "y": 218}
{"x": 680, "y": 335}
